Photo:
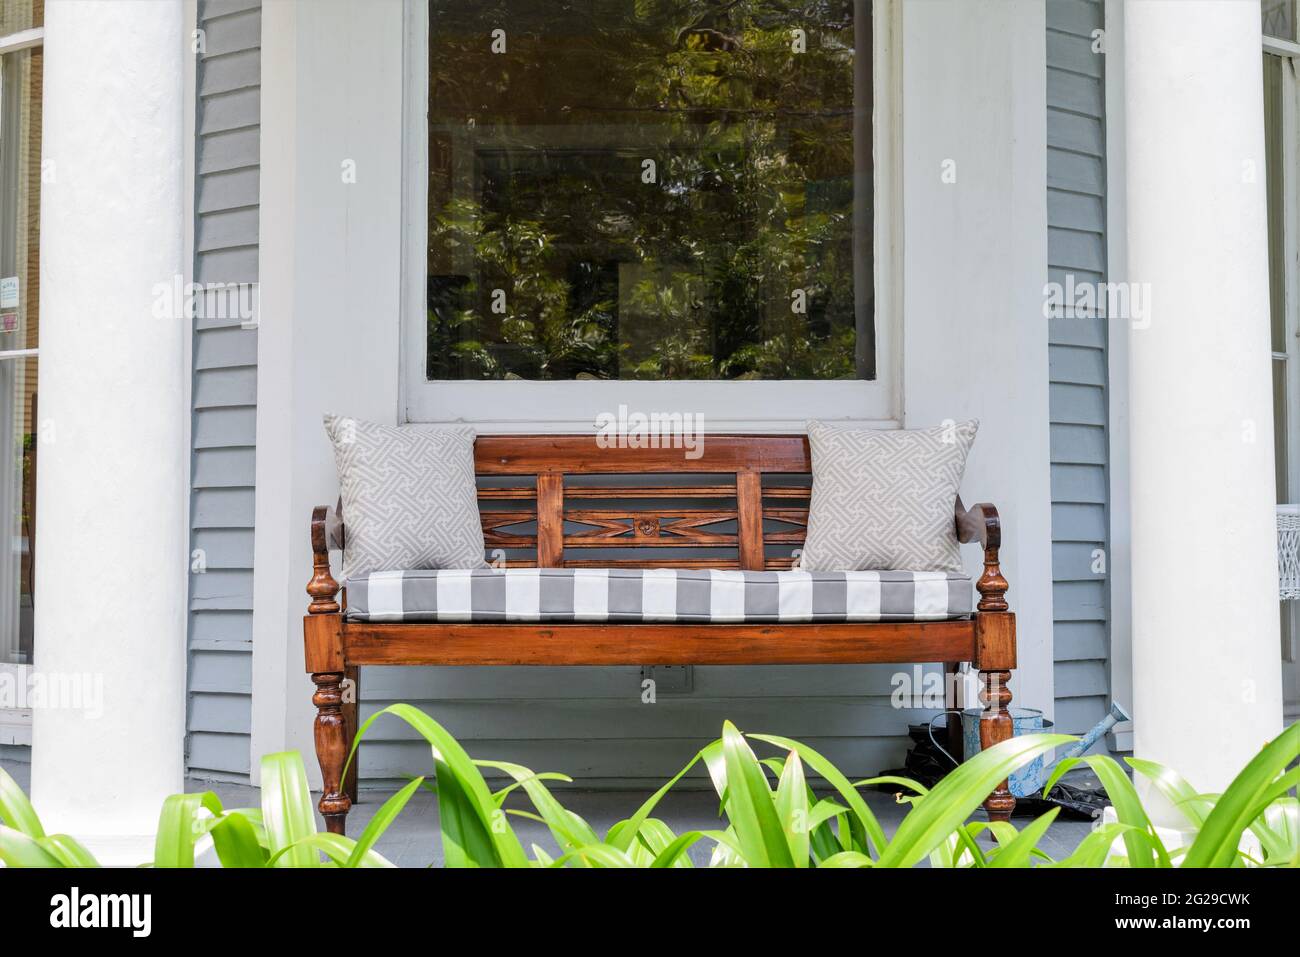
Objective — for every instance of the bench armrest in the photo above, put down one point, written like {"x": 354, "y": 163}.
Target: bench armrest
{"x": 980, "y": 524}
{"x": 326, "y": 532}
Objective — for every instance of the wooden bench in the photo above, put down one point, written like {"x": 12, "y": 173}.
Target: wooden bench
{"x": 767, "y": 479}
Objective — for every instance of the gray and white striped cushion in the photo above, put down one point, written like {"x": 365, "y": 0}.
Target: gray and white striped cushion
{"x": 656, "y": 594}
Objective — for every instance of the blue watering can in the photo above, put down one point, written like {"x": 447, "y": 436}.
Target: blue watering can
{"x": 1030, "y": 778}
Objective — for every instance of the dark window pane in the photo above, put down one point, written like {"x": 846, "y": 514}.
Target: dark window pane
{"x": 1281, "y": 424}
{"x": 19, "y": 15}
{"x": 650, "y": 190}
{"x": 1278, "y": 18}
{"x": 20, "y": 205}
{"x": 1274, "y": 162}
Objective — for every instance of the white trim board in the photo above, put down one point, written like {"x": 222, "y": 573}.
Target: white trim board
{"x": 22, "y": 40}
{"x": 190, "y": 19}
{"x": 1117, "y": 357}
{"x": 273, "y": 614}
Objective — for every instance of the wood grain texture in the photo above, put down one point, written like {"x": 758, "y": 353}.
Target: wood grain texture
{"x": 749, "y": 504}
{"x": 535, "y": 454}
{"x": 330, "y": 734}
{"x": 550, "y": 520}
{"x": 981, "y": 524}
{"x": 322, "y": 587}
{"x": 323, "y": 641}
{"x": 656, "y": 644}
{"x": 995, "y": 641}
{"x": 996, "y": 726}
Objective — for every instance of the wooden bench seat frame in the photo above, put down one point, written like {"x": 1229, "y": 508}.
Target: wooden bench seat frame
{"x": 336, "y": 648}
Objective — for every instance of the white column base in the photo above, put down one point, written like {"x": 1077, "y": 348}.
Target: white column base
{"x": 1173, "y": 838}
{"x": 119, "y": 850}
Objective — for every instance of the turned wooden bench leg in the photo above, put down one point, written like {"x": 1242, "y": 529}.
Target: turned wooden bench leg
{"x": 336, "y": 719}
{"x": 331, "y": 748}
{"x": 995, "y": 653}
{"x": 995, "y": 727}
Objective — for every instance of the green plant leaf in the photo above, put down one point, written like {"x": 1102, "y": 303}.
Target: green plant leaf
{"x": 674, "y": 855}
{"x": 751, "y": 808}
{"x": 385, "y": 816}
{"x": 336, "y": 847}
{"x": 622, "y": 834}
{"x": 1095, "y": 847}
{"x": 179, "y": 828}
{"x": 908, "y": 783}
{"x": 848, "y": 859}
{"x": 1280, "y": 786}
{"x": 15, "y": 810}
{"x": 19, "y": 850}
{"x": 1278, "y": 830}
{"x": 1176, "y": 789}
{"x": 823, "y": 811}
{"x": 653, "y": 838}
{"x": 477, "y": 798}
{"x": 966, "y": 838}
{"x": 542, "y": 858}
{"x": 957, "y": 796}
{"x": 1217, "y": 842}
{"x": 236, "y": 842}
{"x": 792, "y": 809}
{"x": 596, "y": 855}
{"x": 1143, "y": 845}
{"x": 952, "y": 850}
{"x": 287, "y": 812}
{"x": 1017, "y": 852}
{"x": 501, "y": 794}
{"x": 569, "y": 830}
{"x": 466, "y": 841}
{"x": 832, "y": 775}
{"x": 69, "y": 851}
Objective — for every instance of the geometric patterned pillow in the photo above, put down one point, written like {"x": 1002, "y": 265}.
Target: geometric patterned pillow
{"x": 409, "y": 498}
{"x": 883, "y": 499}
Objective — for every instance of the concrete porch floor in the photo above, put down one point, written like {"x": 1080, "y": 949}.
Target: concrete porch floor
{"x": 413, "y": 840}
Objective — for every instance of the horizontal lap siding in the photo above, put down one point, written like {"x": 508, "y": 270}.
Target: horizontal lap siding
{"x": 227, "y": 145}
{"x": 590, "y": 722}
{"x": 1076, "y": 209}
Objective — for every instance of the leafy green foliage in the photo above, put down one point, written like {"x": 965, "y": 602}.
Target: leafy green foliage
{"x": 771, "y": 816}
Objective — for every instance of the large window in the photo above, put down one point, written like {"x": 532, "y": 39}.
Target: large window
{"x": 649, "y": 190}
{"x": 21, "y": 58}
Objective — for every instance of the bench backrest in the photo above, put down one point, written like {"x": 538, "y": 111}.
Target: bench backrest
{"x": 553, "y": 500}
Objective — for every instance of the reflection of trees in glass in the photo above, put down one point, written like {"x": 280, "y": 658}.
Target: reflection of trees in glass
{"x": 551, "y": 257}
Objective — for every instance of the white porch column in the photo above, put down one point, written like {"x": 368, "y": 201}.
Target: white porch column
{"x": 1206, "y": 664}
{"x": 111, "y": 569}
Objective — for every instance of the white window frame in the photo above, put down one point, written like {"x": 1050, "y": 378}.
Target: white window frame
{"x": 16, "y": 723}
{"x": 1289, "y": 53}
{"x": 572, "y": 406}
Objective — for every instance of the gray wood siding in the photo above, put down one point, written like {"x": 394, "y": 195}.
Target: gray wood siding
{"x": 227, "y": 115}
{"x": 1076, "y": 214}
{"x": 591, "y": 724}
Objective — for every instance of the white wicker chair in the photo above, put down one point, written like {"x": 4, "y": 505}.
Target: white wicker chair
{"x": 1288, "y": 552}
